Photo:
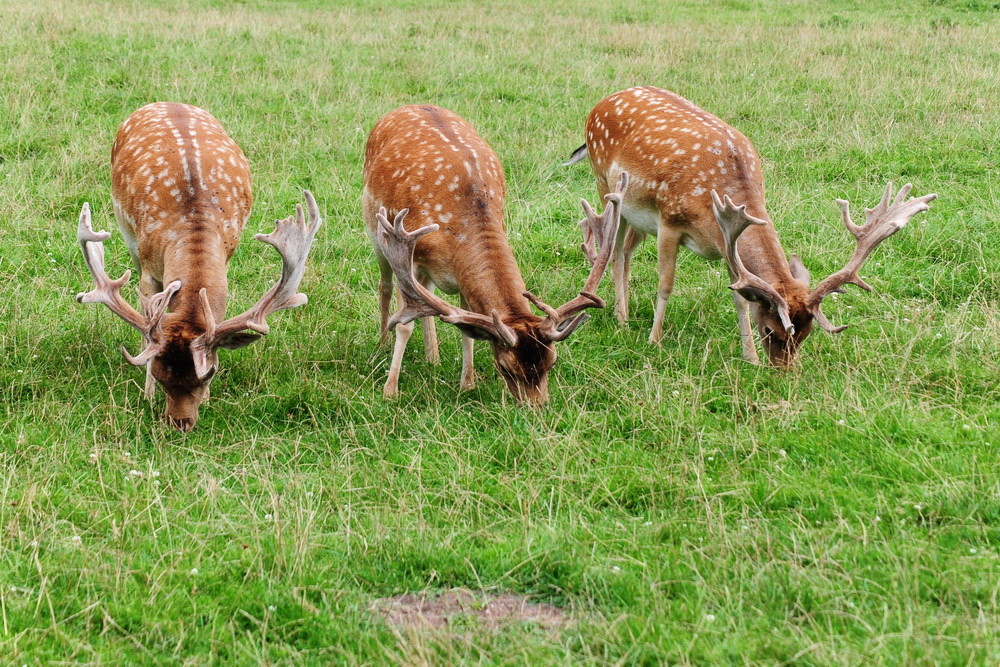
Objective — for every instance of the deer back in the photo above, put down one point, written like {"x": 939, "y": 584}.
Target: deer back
{"x": 676, "y": 154}
{"x": 431, "y": 161}
{"x": 179, "y": 182}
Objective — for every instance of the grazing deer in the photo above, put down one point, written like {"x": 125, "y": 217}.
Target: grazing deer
{"x": 428, "y": 163}
{"x": 680, "y": 159}
{"x": 181, "y": 193}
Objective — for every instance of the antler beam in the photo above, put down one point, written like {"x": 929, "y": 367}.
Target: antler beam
{"x": 733, "y": 221}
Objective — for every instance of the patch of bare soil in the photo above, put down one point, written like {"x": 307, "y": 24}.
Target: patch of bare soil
{"x": 490, "y": 611}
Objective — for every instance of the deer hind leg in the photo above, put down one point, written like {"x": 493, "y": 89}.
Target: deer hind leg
{"x": 627, "y": 241}
{"x": 403, "y": 333}
{"x": 667, "y": 242}
{"x": 430, "y": 333}
{"x": 468, "y": 380}
{"x": 746, "y": 329}
{"x": 384, "y": 297}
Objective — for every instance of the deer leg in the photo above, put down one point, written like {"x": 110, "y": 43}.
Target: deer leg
{"x": 746, "y": 329}
{"x": 627, "y": 241}
{"x": 468, "y": 380}
{"x": 150, "y": 387}
{"x": 430, "y": 334}
{"x": 384, "y": 297}
{"x": 667, "y": 242}
{"x": 149, "y": 286}
{"x": 403, "y": 333}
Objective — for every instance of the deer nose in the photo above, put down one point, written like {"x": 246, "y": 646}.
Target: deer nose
{"x": 182, "y": 424}
{"x": 532, "y": 397}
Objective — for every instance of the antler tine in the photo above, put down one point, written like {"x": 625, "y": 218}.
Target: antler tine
{"x": 292, "y": 238}
{"x": 106, "y": 291}
{"x": 599, "y": 232}
{"x": 733, "y": 221}
{"x": 541, "y": 305}
{"x": 397, "y": 246}
{"x": 881, "y": 222}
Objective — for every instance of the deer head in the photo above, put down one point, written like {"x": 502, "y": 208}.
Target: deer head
{"x": 181, "y": 348}
{"x": 785, "y": 319}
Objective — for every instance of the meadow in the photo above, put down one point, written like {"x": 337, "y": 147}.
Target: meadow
{"x": 677, "y": 503}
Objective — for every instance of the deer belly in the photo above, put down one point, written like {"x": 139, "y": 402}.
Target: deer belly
{"x": 443, "y": 280}
{"x": 643, "y": 219}
{"x": 708, "y": 250}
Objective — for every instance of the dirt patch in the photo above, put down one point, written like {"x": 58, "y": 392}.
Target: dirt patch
{"x": 489, "y": 611}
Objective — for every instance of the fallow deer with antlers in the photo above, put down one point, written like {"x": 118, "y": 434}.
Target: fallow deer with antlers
{"x": 687, "y": 169}
{"x": 427, "y": 166}
{"x": 181, "y": 193}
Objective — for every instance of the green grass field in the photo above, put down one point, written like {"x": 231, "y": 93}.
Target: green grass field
{"x": 680, "y": 504}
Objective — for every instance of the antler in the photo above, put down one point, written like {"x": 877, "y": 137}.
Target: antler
{"x": 108, "y": 291}
{"x": 292, "y": 238}
{"x": 397, "y": 247}
{"x": 599, "y": 233}
{"x": 881, "y": 222}
{"x": 733, "y": 221}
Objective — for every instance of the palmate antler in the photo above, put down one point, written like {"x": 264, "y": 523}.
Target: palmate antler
{"x": 733, "y": 221}
{"x": 881, "y": 222}
{"x": 397, "y": 246}
{"x": 292, "y": 238}
{"x": 599, "y": 232}
{"x": 108, "y": 292}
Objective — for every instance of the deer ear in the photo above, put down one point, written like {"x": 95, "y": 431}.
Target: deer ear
{"x": 799, "y": 270}
{"x": 499, "y": 333}
{"x": 238, "y": 339}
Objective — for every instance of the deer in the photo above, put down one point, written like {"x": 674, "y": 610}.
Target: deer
{"x": 181, "y": 195}
{"x": 443, "y": 188}
{"x": 687, "y": 169}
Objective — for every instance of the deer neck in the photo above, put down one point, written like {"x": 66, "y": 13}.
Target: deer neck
{"x": 197, "y": 262}
{"x": 489, "y": 278}
{"x": 760, "y": 249}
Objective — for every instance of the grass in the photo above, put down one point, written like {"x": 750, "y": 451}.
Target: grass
{"x": 685, "y": 506}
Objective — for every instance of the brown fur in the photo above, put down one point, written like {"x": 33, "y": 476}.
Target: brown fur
{"x": 182, "y": 196}
{"x": 432, "y": 162}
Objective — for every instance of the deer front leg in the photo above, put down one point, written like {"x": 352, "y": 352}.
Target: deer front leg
{"x": 468, "y": 380}
{"x": 403, "y": 333}
{"x": 667, "y": 242}
{"x": 150, "y": 387}
{"x": 746, "y": 329}
{"x": 384, "y": 297}
{"x": 430, "y": 334}
{"x": 148, "y": 286}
